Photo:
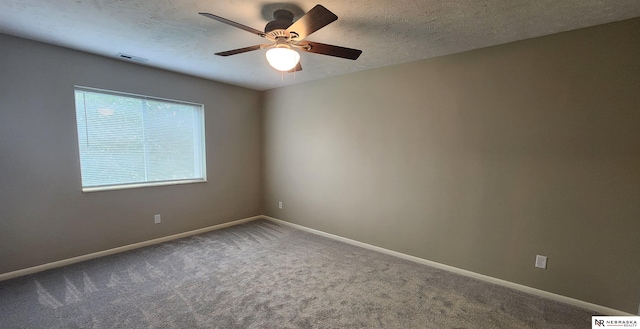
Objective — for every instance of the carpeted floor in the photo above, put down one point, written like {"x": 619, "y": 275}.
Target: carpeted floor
{"x": 264, "y": 275}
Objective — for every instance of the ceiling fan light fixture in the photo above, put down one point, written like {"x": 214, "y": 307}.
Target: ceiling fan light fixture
{"x": 283, "y": 58}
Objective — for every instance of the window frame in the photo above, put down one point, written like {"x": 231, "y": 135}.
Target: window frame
{"x": 133, "y": 185}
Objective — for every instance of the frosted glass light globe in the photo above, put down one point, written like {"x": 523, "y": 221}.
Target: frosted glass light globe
{"x": 283, "y": 59}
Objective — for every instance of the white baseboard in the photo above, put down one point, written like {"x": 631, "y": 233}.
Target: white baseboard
{"x": 73, "y": 260}
{"x": 537, "y": 292}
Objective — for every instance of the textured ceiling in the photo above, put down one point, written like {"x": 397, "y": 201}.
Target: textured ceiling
{"x": 171, "y": 34}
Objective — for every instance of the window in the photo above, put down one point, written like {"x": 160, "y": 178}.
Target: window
{"x": 129, "y": 140}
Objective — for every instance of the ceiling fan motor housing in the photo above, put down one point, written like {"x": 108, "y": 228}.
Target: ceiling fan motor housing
{"x": 283, "y": 19}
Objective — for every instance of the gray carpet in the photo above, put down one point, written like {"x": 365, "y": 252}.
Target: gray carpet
{"x": 264, "y": 275}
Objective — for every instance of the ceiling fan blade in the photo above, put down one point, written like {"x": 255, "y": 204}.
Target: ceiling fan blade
{"x": 234, "y": 24}
{"x": 317, "y": 18}
{"x": 331, "y": 50}
{"x": 240, "y": 50}
{"x": 296, "y": 69}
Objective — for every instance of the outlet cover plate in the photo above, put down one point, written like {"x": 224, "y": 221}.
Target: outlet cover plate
{"x": 541, "y": 261}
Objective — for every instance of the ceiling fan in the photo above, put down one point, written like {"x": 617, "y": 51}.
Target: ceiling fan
{"x": 285, "y": 36}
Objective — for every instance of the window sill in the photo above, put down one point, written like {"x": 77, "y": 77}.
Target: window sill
{"x": 140, "y": 185}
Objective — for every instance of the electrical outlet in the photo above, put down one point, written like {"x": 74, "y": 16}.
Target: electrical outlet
{"x": 541, "y": 261}
{"x": 280, "y": 204}
{"x": 156, "y": 219}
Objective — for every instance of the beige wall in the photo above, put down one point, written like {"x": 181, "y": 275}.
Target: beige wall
{"x": 479, "y": 160}
{"x": 45, "y": 217}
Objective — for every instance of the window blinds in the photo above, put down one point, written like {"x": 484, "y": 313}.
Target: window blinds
{"x": 128, "y": 139}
